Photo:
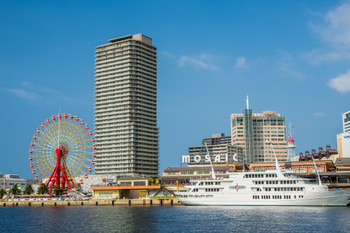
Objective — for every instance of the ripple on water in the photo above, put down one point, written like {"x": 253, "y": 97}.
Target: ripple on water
{"x": 174, "y": 219}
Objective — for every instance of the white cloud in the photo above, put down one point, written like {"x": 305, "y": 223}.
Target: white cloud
{"x": 29, "y": 85}
{"x": 335, "y": 31}
{"x": 341, "y": 83}
{"x": 241, "y": 63}
{"x": 22, "y": 94}
{"x": 317, "y": 56}
{"x": 204, "y": 61}
{"x": 337, "y": 28}
{"x": 286, "y": 66}
{"x": 32, "y": 92}
{"x": 319, "y": 114}
{"x": 167, "y": 54}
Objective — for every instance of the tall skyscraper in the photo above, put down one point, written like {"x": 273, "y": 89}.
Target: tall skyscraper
{"x": 343, "y": 139}
{"x": 346, "y": 122}
{"x": 255, "y": 131}
{"x": 126, "y": 133}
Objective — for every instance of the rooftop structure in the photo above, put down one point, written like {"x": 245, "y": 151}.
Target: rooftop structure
{"x": 321, "y": 154}
{"x": 216, "y": 139}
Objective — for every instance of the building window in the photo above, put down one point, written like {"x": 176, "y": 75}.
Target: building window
{"x": 171, "y": 173}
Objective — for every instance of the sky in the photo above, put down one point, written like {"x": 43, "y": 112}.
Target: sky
{"x": 292, "y": 57}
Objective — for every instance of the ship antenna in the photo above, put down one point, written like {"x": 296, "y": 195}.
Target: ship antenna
{"x": 318, "y": 175}
{"x": 274, "y": 154}
{"x": 211, "y": 164}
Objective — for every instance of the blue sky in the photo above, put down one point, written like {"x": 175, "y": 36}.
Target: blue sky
{"x": 292, "y": 57}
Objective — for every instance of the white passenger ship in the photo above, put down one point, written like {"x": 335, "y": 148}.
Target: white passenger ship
{"x": 268, "y": 188}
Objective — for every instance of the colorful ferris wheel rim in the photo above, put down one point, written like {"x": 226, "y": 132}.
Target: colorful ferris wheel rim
{"x": 72, "y": 136}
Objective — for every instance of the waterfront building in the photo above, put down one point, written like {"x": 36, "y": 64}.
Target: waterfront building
{"x": 299, "y": 167}
{"x": 217, "y": 139}
{"x": 343, "y": 143}
{"x": 343, "y": 165}
{"x": 7, "y": 182}
{"x": 127, "y": 187}
{"x": 328, "y": 154}
{"x": 346, "y": 122}
{"x": 219, "y": 154}
{"x": 255, "y": 131}
{"x": 126, "y": 133}
{"x": 182, "y": 175}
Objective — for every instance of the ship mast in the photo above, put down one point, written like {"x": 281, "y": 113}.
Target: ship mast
{"x": 211, "y": 164}
{"x": 318, "y": 175}
{"x": 274, "y": 154}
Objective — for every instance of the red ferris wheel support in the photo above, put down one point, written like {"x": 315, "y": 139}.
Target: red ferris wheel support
{"x": 59, "y": 176}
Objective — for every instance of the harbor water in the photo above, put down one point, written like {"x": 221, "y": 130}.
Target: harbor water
{"x": 174, "y": 219}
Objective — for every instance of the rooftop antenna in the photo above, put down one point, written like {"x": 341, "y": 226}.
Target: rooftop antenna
{"x": 274, "y": 154}
{"x": 318, "y": 175}
{"x": 247, "y": 102}
{"x": 211, "y": 164}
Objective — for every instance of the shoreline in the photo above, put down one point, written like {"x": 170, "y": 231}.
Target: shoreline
{"x": 108, "y": 202}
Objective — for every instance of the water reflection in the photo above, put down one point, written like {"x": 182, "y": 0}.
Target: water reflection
{"x": 174, "y": 219}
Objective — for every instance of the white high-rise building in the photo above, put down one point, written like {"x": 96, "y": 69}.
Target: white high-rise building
{"x": 126, "y": 132}
{"x": 346, "y": 122}
{"x": 343, "y": 139}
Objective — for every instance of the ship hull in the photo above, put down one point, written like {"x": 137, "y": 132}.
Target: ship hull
{"x": 330, "y": 198}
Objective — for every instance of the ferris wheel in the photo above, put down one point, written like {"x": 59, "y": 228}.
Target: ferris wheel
{"x": 61, "y": 149}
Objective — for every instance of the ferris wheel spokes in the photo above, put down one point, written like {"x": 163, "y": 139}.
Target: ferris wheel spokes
{"x": 62, "y": 148}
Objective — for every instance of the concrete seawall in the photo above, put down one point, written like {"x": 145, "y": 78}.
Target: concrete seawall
{"x": 115, "y": 202}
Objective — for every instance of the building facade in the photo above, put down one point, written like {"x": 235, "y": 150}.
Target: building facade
{"x": 217, "y": 139}
{"x": 299, "y": 167}
{"x": 343, "y": 144}
{"x": 255, "y": 131}
{"x": 7, "y": 182}
{"x": 183, "y": 175}
{"x": 346, "y": 122}
{"x": 219, "y": 154}
{"x": 126, "y": 133}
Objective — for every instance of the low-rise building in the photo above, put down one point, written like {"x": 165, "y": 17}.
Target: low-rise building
{"x": 7, "y": 182}
{"x": 328, "y": 154}
{"x": 182, "y": 175}
{"x": 299, "y": 167}
{"x": 127, "y": 187}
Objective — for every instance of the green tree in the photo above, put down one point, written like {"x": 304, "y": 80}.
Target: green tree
{"x": 15, "y": 190}
{"x": 43, "y": 189}
{"x": 57, "y": 190}
{"x": 2, "y": 193}
{"x": 28, "y": 190}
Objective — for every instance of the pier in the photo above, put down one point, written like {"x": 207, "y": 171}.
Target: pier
{"x": 111, "y": 202}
